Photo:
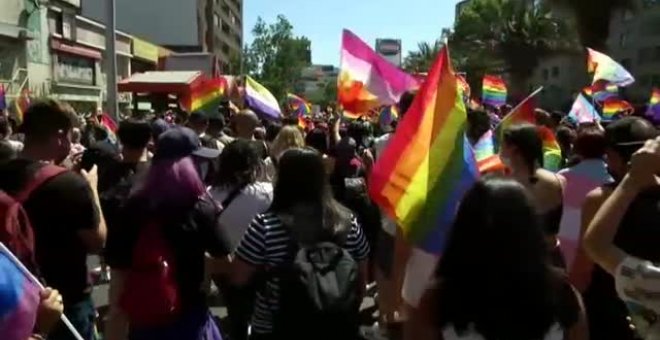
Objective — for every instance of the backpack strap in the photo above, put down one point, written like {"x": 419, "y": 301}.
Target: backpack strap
{"x": 42, "y": 175}
{"x": 230, "y": 198}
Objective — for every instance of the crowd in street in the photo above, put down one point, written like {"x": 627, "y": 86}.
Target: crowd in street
{"x": 277, "y": 220}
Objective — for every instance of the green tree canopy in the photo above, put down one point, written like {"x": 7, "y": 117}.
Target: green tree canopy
{"x": 511, "y": 35}
{"x": 422, "y": 59}
{"x": 276, "y": 57}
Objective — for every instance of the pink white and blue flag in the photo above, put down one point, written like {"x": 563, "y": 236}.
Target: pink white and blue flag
{"x": 582, "y": 111}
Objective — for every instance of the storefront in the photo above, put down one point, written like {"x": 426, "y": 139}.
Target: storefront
{"x": 145, "y": 56}
{"x": 76, "y": 75}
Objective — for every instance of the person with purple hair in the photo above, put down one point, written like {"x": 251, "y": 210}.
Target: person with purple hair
{"x": 173, "y": 196}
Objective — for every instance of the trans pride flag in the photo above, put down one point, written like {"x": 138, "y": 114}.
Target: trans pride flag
{"x": 428, "y": 164}
{"x": 494, "y": 91}
{"x": 19, "y": 299}
{"x": 366, "y": 80}
{"x": 582, "y": 111}
{"x": 605, "y": 68}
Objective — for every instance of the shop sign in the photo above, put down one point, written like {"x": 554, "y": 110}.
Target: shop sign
{"x": 73, "y": 69}
{"x": 145, "y": 50}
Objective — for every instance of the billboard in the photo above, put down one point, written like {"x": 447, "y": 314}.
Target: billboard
{"x": 390, "y": 49}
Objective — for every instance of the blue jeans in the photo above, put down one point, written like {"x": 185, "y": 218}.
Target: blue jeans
{"x": 82, "y": 316}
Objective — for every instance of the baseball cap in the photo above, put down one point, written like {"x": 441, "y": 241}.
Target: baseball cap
{"x": 179, "y": 142}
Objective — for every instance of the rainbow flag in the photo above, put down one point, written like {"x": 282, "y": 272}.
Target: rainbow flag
{"x": 428, "y": 165}
{"x": 19, "y": 299}
{"x": 522, "y": 113}
{"x": 3, "y": 98}
{"x": 603, "y": 91}
{"x": 258, "y": 98}
{"x": 366, "y": 80}
{"x": 605, "y": 68}
{"x": 493, "y": 91}
{"x": 552, "y": 155}
{"x": 302, "y": 123}
{"x": 615, "y": 108}
{"x": 387, "y": 115}
{"x": 654, "y": 104}
{"x": 298, "y": 105}
{"x": 582, "y": 111}
{"x": 207, "y": 95}
{"x": 21, "y": 104}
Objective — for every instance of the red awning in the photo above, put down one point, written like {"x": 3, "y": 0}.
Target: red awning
{"x": 75, "y": 49}
{"x": 179, "y": 82}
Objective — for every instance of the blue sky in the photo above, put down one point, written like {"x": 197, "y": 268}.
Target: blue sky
{"x": 322, "y": 21}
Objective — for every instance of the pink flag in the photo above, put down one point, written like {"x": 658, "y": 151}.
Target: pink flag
{"x": 367, "y": 80}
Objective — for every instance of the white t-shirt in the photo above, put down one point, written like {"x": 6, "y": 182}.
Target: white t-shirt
{"x": 380, "y": 143}
{"x": 638, "y": 285}
{"x": 253, "y": 199}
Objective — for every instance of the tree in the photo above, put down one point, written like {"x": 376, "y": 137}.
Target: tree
{"x": 422, "y": 59}
{"x": 592, "y": 19}
{"x": 276, "y": 57}
{"x": 513, "y": 34}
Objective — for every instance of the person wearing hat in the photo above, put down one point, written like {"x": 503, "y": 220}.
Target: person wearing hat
{"x": 180, "y": 141}
{"x": 173, "y": 197}
{"x": 637, "y": 233}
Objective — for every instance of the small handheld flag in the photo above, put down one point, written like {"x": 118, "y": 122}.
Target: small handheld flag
{"x": 258, "y": 98}
{"x": 582, "y": 111}
{"x": 615, "y": 108}
{"x": 298, "y": 105}
{"x": 494, "y": 91}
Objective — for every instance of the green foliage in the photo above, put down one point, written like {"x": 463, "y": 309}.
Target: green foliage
{"x": 422, "y": 59}
{"x": 510, "y": 36}
{"x": 276, "y": 57}
{"x": 592, "y": 18}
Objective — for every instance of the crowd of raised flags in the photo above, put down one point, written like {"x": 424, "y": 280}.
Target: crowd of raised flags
{"x": 429, "y": 164}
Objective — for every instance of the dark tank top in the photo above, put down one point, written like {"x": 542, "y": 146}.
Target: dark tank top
{"x": 638, "y": 235}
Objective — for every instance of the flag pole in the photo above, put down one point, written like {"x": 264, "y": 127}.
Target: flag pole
{"x": 36, "y": 282}
{"x": 111, "y": 61}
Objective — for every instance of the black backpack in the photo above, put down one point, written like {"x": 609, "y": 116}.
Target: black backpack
{"x": 319, "y": 295}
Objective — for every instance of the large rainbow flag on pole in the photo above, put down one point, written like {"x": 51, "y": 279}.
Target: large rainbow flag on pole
{"x": 428, "y": 165}
{"x": 494, "y": 91}
{"x": 366, "y": 80}
{"x": 605, "y": 68}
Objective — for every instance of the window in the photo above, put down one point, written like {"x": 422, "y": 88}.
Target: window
{"x": 59, "y": 23}
{"x": 555, "y": 72}
{"x": 216, "y": 20}
{"x": 623, "y": 40}
{"x": 545, "y": 74}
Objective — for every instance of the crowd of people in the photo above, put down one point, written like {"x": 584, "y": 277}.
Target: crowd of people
{"x": 276, "y": 220}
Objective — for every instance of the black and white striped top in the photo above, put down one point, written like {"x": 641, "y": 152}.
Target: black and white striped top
{"x": 266, "y": 243}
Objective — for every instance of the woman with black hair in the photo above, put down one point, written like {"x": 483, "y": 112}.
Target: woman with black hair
{"x": 242, "y": 197}
{"x": 521, "y": 151}
{"x": 303, "y": 212}
{"x": 494, "y": 280}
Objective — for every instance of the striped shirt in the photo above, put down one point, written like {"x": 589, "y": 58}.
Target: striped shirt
{"x": 267, "y": 244}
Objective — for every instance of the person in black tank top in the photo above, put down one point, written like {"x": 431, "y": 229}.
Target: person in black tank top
{"x": 637, "y": 232}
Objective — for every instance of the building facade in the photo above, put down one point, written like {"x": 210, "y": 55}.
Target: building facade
{"x": 214, "y": 26}
{"x": 314, "y": 80}
{"x": 634, "y": 41}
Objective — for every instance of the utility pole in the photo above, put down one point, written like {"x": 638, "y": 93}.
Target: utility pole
{"x": 111, "y": 61}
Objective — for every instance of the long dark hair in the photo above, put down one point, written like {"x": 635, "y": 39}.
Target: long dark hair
{"x": 494, "y": 273}
{"x": 525, "y": 138}
{"x": 240, "y": 164}
{"x": 302, "y": 195}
